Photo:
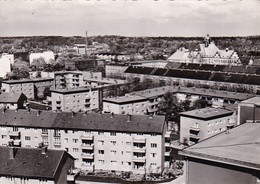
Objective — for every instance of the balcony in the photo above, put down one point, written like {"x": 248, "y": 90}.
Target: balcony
{"x": 87, "y": 166}
{"x": 167, "y": 153}
{"x": 139, "y": 149}
{"x": 57, "y": 144}
{"x": 17, "y": 142}
{"x": 139, "y": 159}
{"x": 44, "y": 134}
{"x": 153, "y": 103}
{"x": 139, "y": 170}
{"x": 196, "y": 129}
{"x": 139, "y": 139}
{"x": 168, "y": 134}
{"x": 87, "y": 137}
{"x": 87, "y": 155}
{"x": 167, "y": 144}
{"x": 15, "y": 133}
{"x": 56, "y": 134}
{"x": 193, "y": 136}
{"x": 87, "y": 146}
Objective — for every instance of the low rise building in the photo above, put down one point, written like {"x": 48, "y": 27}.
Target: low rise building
{"x": 12, "y": 100}
{"x": 35, "y": 165}
{"x": 98, "y": 142}
{"x": 200, "y": 124}
{"x": 78, "y": 99}
{"x": 231, "y": 158}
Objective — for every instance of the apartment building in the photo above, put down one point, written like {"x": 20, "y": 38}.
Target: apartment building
{"x": 24, "y": 86}
{"x": 12, "y": 100}
{"x": 75, "y": 99}
{"x": 200, "y": 124}
{"x": 106, "y": 142}
{"x": 231, "y": 158}
{"x": 35, "y": 165}
{"x": 5, "y": 63}
{"x": 31, "y": 88}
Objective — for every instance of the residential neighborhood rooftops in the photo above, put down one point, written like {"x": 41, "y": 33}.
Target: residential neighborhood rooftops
{"x": 230, "y": 148}
{"x": 125, "y": 99}
{"x": 207, "y": 113}
{"x": 72, "y": 90}
{"x": 81, "y": 121}
{"x": 30, "y": 162}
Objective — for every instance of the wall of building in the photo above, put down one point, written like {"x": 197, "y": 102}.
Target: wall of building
{"x": 26, "y": 88}
{"x": 5, "y": 63}
{"x": 16, "y": 180}
{"x": 248, "y": 112}
{"x": 209, "y": 173}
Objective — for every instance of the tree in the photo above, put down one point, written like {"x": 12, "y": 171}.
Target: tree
{"x": 20, "y": 70}
{"x": 38, "y": 63}
{"x": 47, "y": 91}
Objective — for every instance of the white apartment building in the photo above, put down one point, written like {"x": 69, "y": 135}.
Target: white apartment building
{"x": 47, "y": 55}
{"x": 80, "y": 99}
{"x": 105, "y": 142}
{"x": 199, "y": 124}
{"x": 5, "y": 63}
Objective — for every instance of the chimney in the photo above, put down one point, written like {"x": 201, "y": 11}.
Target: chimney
{"x": 38, "y": 112}
{"x": 4, "y": 109}
{"x": 128, "y": 118}
{"x": 44, "y": 150}
{"x": 112, "y": 115}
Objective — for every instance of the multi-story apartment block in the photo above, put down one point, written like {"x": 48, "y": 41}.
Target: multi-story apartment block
{"x": 199, "y": 124}
{"x": 29, "y": 87}
{"x": 35, "y": 166}
{"x": 107, "y": 142}
{"x": 231, "y": 158}
{"x": 24, "y": 86}
{"x": 80, "y": 99}
{"x": 5, "y": 63}
{"x": 128, "y": 104}
{"x": 12, "y": 100}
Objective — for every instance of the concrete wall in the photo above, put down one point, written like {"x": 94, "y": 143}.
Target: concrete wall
{"x": 206, "y": 172}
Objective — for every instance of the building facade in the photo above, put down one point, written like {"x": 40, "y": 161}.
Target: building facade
{"x": 200, "y": 124}
{"x": 12, "y": 100}
{"x": 5, "y": 63}
{"x": 104, "y": 142}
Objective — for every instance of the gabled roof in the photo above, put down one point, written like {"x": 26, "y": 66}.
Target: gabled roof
{"x": 180, "y": 54}
{"x": 30, "y": 162}
{"x": 11, "y": 97}
{"x": 239, "y": 147}
{"x": 80, "y": 121}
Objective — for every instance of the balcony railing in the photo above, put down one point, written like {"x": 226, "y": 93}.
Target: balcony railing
{"x": 139, "y": 159}
{"x": 197, "y": 129}
{"x": 15, "y": 133}
{"x": 87, "y": 137}
{"x": 139, "y": 149}
{"x": 193, "y": 136}
{"x": 87, "y": 155}
{"x": 87, "y": 146}
{"x": 17, "y": 142}
{"x": 167, "y": 153}
{"x": 139, "y": 139}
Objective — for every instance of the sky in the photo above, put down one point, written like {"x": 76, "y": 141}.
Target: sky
{"x": 129, "y": 17}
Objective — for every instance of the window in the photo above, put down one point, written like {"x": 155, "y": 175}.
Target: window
{"x": 100, "y": 133}
{"x": 128, "y": 163}
{"x": 153, "y": 145}
{"x": 100, "y": 142}
{"x": 113, "y": 143}
{"x": 101, "y": 162}
{"x": 112, "y": 133}
{"x": 154, "y": 134}
{"x": 4, "y": 136}
{"x": 112, "y": 152}
{"x": 28, "y": 138}
{"x": 153, "y": 155}
{"x": 75, "y": 149}
{"x": 57, "y": 141}
{"x": 113, "y": 162}
{"x": 66, "y": 140}
{"x": 45, "y": 140}
{"x": 128, "y": 152}
{"x": 15, "y": 129}
{"x": 128, "y": 143}
{"x": 74, "y": 140}
{"x": 101, "y": 152}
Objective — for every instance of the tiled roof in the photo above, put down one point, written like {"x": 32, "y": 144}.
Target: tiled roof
{"x": 80, "y": 121}
{"x": 30, "y": 162}
{"x": 11, "y": 97}
{"x": 239, "y": 147}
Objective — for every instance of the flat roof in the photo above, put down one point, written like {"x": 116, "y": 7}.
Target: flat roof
{"x": 72, "y": 90}
{"x": 125, "y": 99}
{"x": 254, "y": 100}
{"x": 240, "y": 147}
{"x": 81, "y": 121}
{"x": 18, "y": 81}
{"x": 207, "y": 113}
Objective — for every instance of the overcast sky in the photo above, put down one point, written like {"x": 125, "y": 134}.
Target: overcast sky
{"x": 130, "y": 18}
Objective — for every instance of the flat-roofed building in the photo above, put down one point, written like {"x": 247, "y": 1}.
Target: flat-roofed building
{"x": 12, "y": 100}
{"x": 232, "y": 158}
{"x": 249, "y": 110}
{"x": 35, "y": 165}
{"x": 107, "y": 142}
{"x": 5, "y": 63}
{"x": 200, "y": 124}
{"x": 77, "y": 99}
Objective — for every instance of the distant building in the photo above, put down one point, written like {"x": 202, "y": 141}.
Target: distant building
{"x": 80, "y": 99}
{"x": 5, "y": 63}
{"x": 98, "y": 142}
{"x": 47, "y": 55}
{"x": 200, "y": 124}
{"x": 227, "y": 158}
{"x": 12, "y": 100}
{"x": 115, "y": 69}
{"x": 209, "y": 54}
{"x": 249, "y": 110}
{"x": 35, "y": 165}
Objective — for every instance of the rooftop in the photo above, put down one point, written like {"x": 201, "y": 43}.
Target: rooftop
{"x": 81, "y": 121}
{"x": 207, "y": 113}
{"x": 30, "y": 162}
{"x": 11, "y": 97}
{"x": 125, "y": 99}
{"x": 254, "y": 100}
{"x": 230, "y": 148}
{"x": 72, "y": 90}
